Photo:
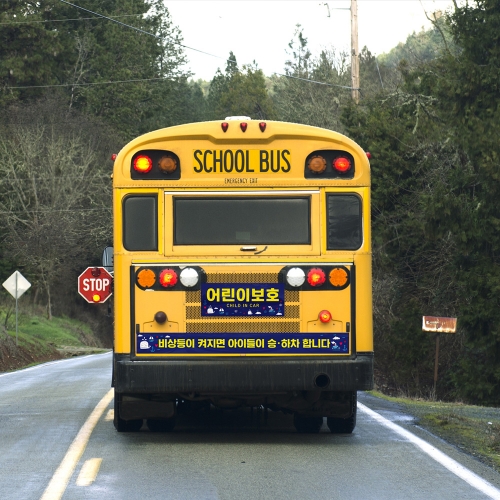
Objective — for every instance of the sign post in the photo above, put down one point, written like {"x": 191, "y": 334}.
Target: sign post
{"x": 438, "y": 325}
{"x": 95, "y": 285}
{"x": 16, "y": 284}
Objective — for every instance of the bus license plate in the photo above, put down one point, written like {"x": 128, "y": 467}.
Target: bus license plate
{"x": 242, "y": 299}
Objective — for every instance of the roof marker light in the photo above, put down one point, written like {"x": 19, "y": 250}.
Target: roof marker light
{"x": 262, "y": 126}
{"x": 224, "y": 126}
{"x": 243, "y": 126}
{"x": 113, "y": 156}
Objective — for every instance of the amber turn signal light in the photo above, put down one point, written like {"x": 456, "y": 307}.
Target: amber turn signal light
{"x": 316, "y": 164}
{"x": 146, "y": 278}
{"x": 167, "y": 164}
{"x": 338, "y": 276}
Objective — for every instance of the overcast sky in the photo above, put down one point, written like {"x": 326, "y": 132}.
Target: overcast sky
{"x": 261, "y": 30}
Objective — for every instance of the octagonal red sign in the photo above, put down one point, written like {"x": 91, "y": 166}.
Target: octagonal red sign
{"x": 95, "y": 285}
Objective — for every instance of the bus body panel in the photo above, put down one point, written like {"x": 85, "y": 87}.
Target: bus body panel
{"x": 287, "y": 359}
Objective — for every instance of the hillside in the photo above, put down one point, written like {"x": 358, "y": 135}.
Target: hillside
{"x": 41, "y": 340}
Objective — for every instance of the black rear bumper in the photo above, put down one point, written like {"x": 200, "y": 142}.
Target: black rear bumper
{"x": 237, "y": 375}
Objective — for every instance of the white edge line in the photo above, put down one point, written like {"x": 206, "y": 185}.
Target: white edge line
{"x": 49, "y": 363}
{"x": 453, "y": 466}
{"x": 62, "y": 475}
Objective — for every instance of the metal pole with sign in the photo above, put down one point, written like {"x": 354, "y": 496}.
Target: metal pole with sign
{"x": 16, "y": 284}
{"x": 438, "y": 325}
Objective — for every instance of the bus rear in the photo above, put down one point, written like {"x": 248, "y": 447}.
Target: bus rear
{"x": 242, "y": 273}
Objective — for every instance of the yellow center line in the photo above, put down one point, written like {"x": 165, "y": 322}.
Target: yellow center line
{"x": 61, "y": 477}
{"x": 89, "y": 472}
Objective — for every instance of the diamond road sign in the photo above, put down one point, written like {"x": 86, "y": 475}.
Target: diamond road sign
{"x": 16, "y": 284}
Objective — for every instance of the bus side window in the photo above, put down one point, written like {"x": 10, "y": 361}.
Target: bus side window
{"x": 345, "y": 229}
{"x": 140, "y": 223}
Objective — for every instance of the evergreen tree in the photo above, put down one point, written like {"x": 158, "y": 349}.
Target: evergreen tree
{"x": 302, "y": 101}
{"x": 239, "y": 93}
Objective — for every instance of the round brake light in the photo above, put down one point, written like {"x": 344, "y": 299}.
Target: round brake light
{"x": 143, "y": 164}
{"x": 342, "y": 164}
{"x": 168, "y": 278}
{"x": 316, "y": 277}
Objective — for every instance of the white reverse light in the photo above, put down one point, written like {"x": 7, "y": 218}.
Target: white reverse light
{"x": 295, "y": 276}
{"x": 189, "y": 277}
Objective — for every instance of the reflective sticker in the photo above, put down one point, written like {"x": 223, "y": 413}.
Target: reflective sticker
{"x": 242, "y": 299}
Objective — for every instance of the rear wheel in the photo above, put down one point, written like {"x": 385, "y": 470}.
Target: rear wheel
{"x": 307, "y": 425}
{"x": 124, "y": 425}
{"x": 344, "y": 425}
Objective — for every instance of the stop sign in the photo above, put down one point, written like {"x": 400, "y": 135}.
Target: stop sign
{"x": 94, "y": 285}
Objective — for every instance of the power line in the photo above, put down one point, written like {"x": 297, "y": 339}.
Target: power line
{"x": 63, "y": 20}
{"x": 86, "y": 84}
{"x": 201, "y": 51}
{"x": 158, "y": 78}
{"x": 50, "y": 210}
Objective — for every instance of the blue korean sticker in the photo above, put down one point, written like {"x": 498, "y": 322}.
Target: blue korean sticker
{"x": 242, "y": 299}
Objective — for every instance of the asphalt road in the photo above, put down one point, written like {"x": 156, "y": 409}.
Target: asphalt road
{"x": 57, "y": 440}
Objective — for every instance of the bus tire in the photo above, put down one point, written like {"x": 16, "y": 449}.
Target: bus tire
{"x": 344, "y": 425}
{"x": 307, "y": 425}
{"x": 124, "y": 425}
{"x": 161, "y": 424}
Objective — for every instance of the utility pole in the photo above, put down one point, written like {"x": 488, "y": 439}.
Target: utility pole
{"x": 354, "y": 51}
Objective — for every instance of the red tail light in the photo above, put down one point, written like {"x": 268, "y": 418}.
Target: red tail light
{"x": 342, "y": 164}
{"x": 143, "y": 164}
{"x": 316, "y": 277}
{"x": 168, "y": 278}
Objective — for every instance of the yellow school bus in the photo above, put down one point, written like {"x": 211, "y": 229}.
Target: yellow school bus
{"x": 242, "y": 273}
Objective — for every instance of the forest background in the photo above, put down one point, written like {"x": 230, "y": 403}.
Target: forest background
{"x": 74, "y": 88}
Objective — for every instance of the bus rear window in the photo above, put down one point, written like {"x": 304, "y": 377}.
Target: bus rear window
{"x": 345, "y": 231}
{"x": 242, "y": 221}
{"x": 140, "y": 223}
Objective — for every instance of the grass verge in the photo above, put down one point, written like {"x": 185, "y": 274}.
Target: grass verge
{"x": 473, "y": 429}
{"x": 39, "y": 339}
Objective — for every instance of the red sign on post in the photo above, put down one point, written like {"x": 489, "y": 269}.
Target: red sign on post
{"x": 94, "y": 285}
